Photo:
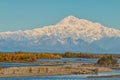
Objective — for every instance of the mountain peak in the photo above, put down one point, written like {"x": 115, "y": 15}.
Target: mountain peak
{"x": 69, "y": 20}
{"x": 70, "y": 17}
{"x": 72, "y": 20}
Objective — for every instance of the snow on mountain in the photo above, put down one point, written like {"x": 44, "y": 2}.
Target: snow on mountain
{"x": 68, "y": 31}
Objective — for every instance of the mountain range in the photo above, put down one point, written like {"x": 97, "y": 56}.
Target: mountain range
{"x": 70, "y": 34}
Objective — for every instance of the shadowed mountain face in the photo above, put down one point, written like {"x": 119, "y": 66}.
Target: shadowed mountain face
{"x": 70, "y": 34}
{"x": 111, "y": 44}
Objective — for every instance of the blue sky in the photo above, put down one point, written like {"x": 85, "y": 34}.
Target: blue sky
{"x": 29, "y": 14}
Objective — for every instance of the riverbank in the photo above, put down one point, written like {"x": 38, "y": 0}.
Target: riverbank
{"x": 52, "y": 70}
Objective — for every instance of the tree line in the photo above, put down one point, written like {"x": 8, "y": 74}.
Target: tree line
{"x": 26, "y": 57}
{"x": 82, "y": 55}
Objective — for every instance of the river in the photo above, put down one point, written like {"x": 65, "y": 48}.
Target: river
{"x": 65, "y": 77}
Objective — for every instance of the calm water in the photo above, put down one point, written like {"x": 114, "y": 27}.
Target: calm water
{"x": 70, "y": 77}
{"x": 6, "y": 64}
{"x": 82, "y": 60}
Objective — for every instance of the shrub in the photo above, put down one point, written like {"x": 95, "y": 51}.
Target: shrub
{"x": 107, "y": 60}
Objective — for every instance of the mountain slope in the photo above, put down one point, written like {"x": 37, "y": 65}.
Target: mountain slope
{"x": 70, "y": 34}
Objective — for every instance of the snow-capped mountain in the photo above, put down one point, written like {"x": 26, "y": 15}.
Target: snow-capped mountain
{"x": 70, "y": 34}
